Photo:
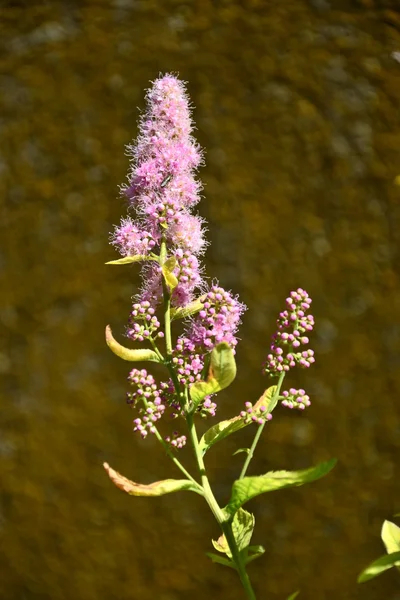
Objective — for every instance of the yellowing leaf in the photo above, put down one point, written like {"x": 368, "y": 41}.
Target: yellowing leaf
{"x": 127, "y": 260}
{"x": 128, "y": 353}
{"x": 158, "y": 488}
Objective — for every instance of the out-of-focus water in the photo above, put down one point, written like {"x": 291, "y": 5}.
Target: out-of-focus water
{"x": 297, "y": 105}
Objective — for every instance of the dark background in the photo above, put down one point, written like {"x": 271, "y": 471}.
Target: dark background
{"x": 297, "y": 104}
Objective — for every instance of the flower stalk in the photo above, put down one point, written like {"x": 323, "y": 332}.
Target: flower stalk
{"x": 167, "y": 239}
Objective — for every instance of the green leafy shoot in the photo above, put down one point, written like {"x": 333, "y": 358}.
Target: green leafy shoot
{"x": 240, "y": 450}
{"x": 379, "y": 566}
{"x": 294, "y": 595}
{"x": 390, "y": 535}
{"x": 253, "y": 552}
{"x": 221, "y": 560}
{"x": 247, "y": 488}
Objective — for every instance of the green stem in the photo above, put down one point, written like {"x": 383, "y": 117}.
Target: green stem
{"x": 171, "y": 454}
{"x": 260, "y": 430}
{"x": 156, "y": 350}
{"x": 206, "y": 490}
{"x": 237, "y": 559}
{"x": 218, "y": 513}
{"x": 167, "y": 301}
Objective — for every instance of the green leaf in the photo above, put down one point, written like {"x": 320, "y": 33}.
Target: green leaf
{"x": 247, "y": 488}
{"x": 128, "y": 353}
{"x": 158, "y": 488}
{"x": 186, "y": 311}
{"x": 221, "y": 373}
{"x": 242, "y": 528}
{"x": 167, "y": 269}
{"x": 216, "y": 558}
{"x": 269, "y": 399}
{"x": 221, "y": 430}
{"x": 294, "y": 595}
{"x": 127, "y": 260}
{"x": 246, "y": 450}
{"x": 379, "y": 566}
{"x": 254, "y": 552}
{"x": 391, "y": 536}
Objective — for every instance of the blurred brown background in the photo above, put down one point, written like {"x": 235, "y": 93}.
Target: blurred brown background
{"x": 297, "y": 104}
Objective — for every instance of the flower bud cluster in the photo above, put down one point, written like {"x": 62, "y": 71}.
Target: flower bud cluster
{"x": 218, "y": 321}
{"x": 176, "y": 440}
{"x": 293, "y": 324}
{"x": 152, "y": 407}
{"x": 208, "y": 408}
{"x": 143, "y": 322}
{"x": 296, "y": 399}
{"x": 189, "y": 367}
{"x": 258, "y": 415}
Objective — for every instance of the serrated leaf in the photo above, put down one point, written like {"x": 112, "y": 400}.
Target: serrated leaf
{"x": 247, "y": 488}
{"x": 242, "y": 528}
{"x": 167, "y": 270}
{"x": 294, "y": 595}
{"x": 221, "y": 373}
{"x": 127, "y": 260}
{"x": 221, "y": 430}
{"x": 186, "y": 311}
{"x": 379, "y": 566}
{"x": 220, "y": 560}
{"x": 254, "y": 552}
{"x": 127, "y": 353}
{"x": 158, "y": 488}
{"x": 246, "y": 450}
{"x": 390, "y": 535}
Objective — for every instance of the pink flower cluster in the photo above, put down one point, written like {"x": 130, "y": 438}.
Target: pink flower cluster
{"x": 218, "y": 321}
{"x": 293, "y": 323}
{"x": 162, "y": 191}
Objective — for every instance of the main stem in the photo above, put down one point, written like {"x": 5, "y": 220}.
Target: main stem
{"x": 223, "y": 520}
